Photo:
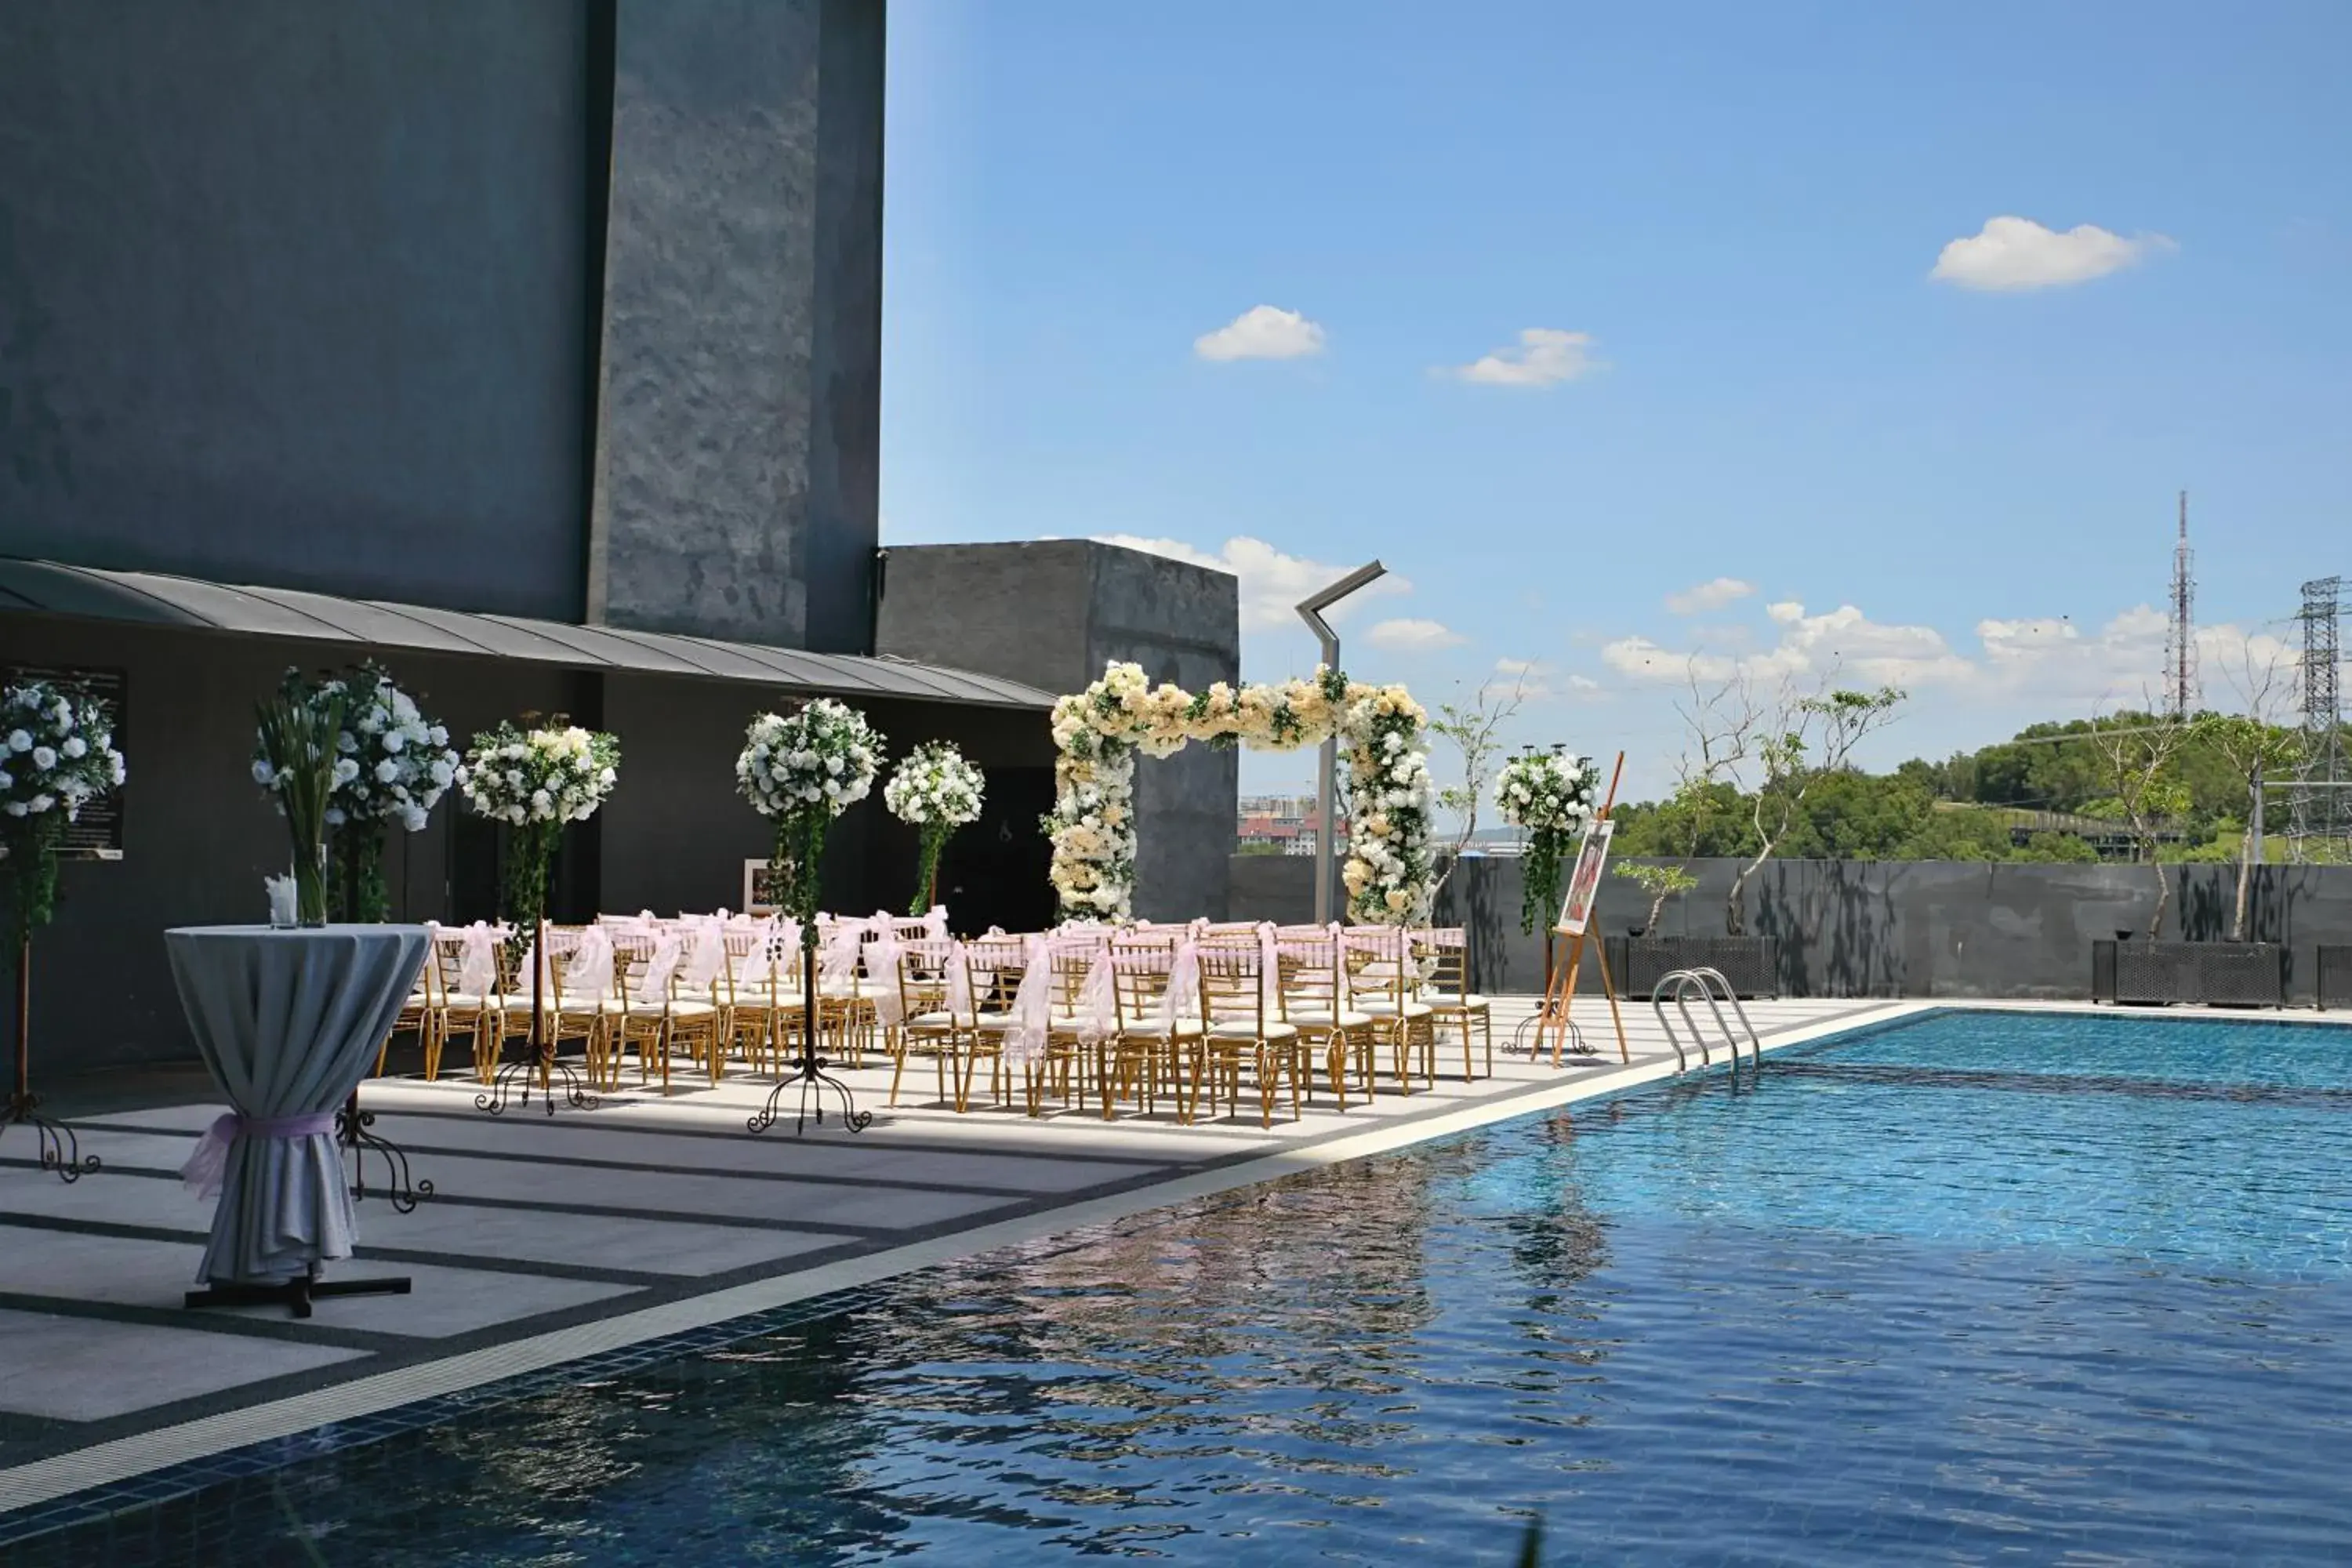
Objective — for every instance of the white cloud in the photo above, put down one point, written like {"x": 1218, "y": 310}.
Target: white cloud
{"x": 1708, "y": 595}
{"x": 1271, "y": 583}
{"x": 1544, "y": 356}
{"x": 2049, "y": 664}
{"x": 1262, "y": 332}
{"x": 2014, "y": 254}
{"x": 1414, "y": 635}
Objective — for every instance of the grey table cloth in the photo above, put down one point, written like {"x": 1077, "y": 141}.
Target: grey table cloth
{"x": 288, "y": 1022}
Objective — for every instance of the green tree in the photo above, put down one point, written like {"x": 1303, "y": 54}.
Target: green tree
{"x": 1809, "y": 739}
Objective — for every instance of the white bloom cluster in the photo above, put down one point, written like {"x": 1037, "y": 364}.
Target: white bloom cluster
{"x": 540, "y": 776}
{"x": 1547, "y": 791}
{"x": 934, "y": 786}
{"x": 1099, "y": 731}
{"x": 822, "y": 756}
{"x": 395, "y": 764}
{"x": 57, "y": 750}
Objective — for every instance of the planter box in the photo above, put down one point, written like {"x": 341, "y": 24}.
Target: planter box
{"x": 2250, "y": 973}
{"x": 2332, "y": 983}
{"x": 1752, "y": 964}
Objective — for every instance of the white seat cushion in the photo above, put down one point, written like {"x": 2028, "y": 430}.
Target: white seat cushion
{"x": 1321, "y": 1019}
{"x": 995, "y": 1023}
{"x": 690, "y": 1011}
{"x": 1384, "y": 1008}
{"x": 931, "y": 1021}
{"x": 1238, "y": 1031}
{"x": 1447, "y": 1001}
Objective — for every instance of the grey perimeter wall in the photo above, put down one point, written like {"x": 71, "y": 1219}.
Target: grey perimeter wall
{"x": 1895, "y": 928}
{"x": 1053, "y": 614}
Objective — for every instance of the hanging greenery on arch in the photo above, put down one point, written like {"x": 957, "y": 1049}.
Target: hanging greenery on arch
{"x": 1098, "y": 732}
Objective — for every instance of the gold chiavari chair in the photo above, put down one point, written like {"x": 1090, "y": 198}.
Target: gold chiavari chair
{"x": 1313, "y": 974}
{"x": 573, "y": 1011}
{"x": 927, "y": 1025}
{"x": 650, "y": 1011}
{"x": 1381, "y": 981}
{"x": 1240, "y": 1031}
{"x": 994, "y": 967}
{"x": 1441, "y": 955}
{"x": 703, "y": 979}
{"x": 423, "y": 1014}
{"x": 464, "y": 1011}
{"x": 844, "y": 1007}
{"x": 1154, "y": 1043}
{"x": 764, "y": 994}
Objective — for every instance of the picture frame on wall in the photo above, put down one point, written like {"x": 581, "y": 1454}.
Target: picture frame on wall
{"x": 759, "y": 888}
{"x": 1584, "y": 883}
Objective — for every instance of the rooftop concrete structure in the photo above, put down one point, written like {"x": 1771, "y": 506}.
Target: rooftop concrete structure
{"x": 1052, "y": 614}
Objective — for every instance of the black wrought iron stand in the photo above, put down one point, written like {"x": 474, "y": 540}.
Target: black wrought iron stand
{"x": 541, "y": 1063}
{"x": 352, "y": 1131}
{"x": 810, "y": 1075}
{"x": 60, "y": 1150}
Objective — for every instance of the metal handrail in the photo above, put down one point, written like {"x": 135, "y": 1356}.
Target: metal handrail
{"x": 1681, "y": 982}
{"x": 1755, "y": 1041}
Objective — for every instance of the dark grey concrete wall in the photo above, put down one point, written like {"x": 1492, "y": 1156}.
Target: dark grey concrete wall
{"x": 198, "y": 837}
{"x": 1053, "y": 614}
{"x": 738, "y": 435}
{"x": 1893, "y": 928}
{"x": 676, "y": 836}
{"x": 298, "y": 294}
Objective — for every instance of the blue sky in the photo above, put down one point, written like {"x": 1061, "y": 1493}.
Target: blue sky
{"x": 1721, "y": 222}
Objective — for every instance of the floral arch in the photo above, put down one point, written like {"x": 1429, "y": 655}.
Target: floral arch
{"x": 1099, "y": 731}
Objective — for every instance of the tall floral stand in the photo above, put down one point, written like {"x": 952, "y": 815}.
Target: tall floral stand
{"x": 60, "y": 1150}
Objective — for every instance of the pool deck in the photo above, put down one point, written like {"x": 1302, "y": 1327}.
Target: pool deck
{"x": 549, "y": 1239}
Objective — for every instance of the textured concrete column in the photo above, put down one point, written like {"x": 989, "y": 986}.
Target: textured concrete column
{"x": 738, "y": 423}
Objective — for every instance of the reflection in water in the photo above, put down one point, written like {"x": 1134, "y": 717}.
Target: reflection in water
{"x": 1825, "y": 1320}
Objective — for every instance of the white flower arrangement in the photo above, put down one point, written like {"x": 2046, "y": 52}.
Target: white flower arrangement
{"x": 822, "y": 756}
{"x": 57, "y": 752}
{"x": 1099, "y": 731}
{"x": 800, "y": 771}
{"x": 546, "y": 777}
{"x": 1553, "y": 791}
{"x": 533, "y": 782}
{"x": 934, "y": 790}
{"x": 934, "y": 786}
{"x": 1551, "y": 796}
{"x": 57, "y": 755}
{"x": 395, "y": 766}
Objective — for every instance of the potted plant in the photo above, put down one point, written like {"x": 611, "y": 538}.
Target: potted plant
{"x": 1660, "y": 882}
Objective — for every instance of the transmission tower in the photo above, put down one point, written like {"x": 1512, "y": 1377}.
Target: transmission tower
{"x": 2316, "y": 827}
{"x": 2180, "y": 640}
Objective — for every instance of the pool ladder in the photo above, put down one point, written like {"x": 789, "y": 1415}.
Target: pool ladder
{"x": 1677, "y": 987}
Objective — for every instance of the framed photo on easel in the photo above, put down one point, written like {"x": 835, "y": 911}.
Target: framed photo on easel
{"x": 1584, "y": 886}
{"x": 1575, "y": 927}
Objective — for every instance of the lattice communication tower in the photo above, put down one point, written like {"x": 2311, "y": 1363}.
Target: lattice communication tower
{"x": 2317, "y": 825}
{"x": 2180, "y": 636}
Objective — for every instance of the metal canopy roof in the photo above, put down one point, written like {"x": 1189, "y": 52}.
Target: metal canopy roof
{"x": 159, "y": 599}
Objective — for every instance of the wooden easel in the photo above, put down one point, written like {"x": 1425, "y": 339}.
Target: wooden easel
{"x": 1560, "y": 989}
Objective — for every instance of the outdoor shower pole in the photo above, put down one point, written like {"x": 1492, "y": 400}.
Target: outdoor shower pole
{"x": 1310, "y": 610}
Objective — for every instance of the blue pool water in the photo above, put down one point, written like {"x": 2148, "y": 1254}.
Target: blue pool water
{"x": 1979, "y": 1288}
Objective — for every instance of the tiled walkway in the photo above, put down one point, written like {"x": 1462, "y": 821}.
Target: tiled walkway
{"x": 552, "y": 1237}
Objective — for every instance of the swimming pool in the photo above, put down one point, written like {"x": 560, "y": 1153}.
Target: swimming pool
{"x": 1976, "y": 1285}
